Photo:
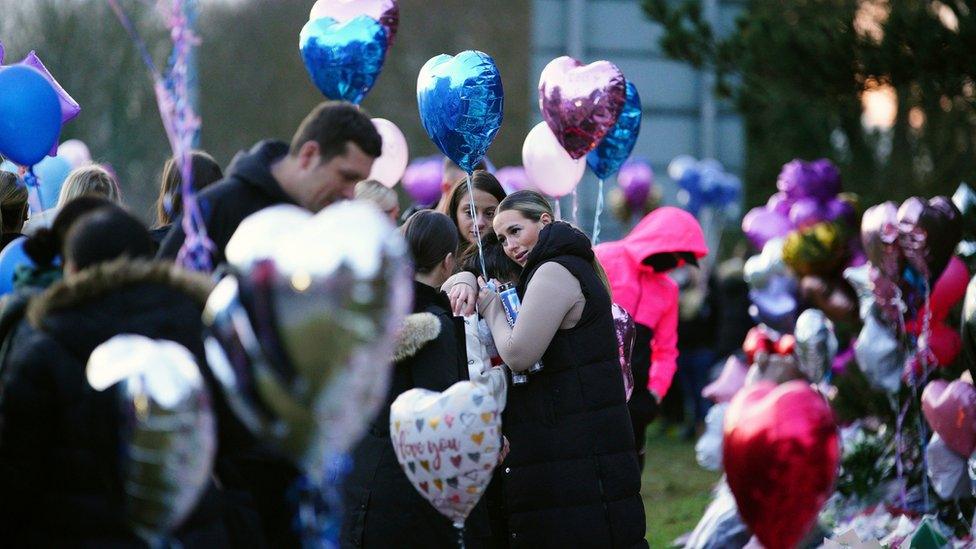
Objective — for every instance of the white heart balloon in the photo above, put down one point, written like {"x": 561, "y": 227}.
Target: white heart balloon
{"x": 448, "y": 444}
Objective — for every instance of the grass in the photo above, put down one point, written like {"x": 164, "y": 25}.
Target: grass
{"x": 675, "y": 489}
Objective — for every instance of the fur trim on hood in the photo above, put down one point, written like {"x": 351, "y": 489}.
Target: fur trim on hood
{"x": 107, "y": 277}
{"x": 417, "y": 330}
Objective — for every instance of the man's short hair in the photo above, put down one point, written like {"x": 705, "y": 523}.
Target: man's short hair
{"x": 332, "y": 124}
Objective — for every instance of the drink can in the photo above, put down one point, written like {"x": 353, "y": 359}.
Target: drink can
{"x": 510, "y": 302}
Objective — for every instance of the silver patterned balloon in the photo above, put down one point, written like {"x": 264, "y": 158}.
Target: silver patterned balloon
{"x": 303, "y": 333}
{"x": 168, "y": 429}
{"x": 816, "y": 344}
{"x": 759, "y": 269}
{"x": 879, "y": 354}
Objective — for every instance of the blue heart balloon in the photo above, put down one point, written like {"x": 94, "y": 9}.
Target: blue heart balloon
{"x": 30, "y": 115}
{"x": 617, "y": 145}
{"x": 461, "y": 101}
{"x": 343, "y": 59}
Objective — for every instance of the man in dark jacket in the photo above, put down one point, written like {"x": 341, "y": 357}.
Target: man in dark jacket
{"x": 332, "y": 150}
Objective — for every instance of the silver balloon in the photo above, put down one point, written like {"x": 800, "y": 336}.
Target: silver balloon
{"x": 759, "y": 269}
{"x": 168, "y": 429}
{"x": 947, "y": 470}
{"x": 879, "y": 354}
{"x": 708, "y": 449}
{"x": 720, "y": 527}
{"x": 304, "y": 333}
{"x": 860, "y": 279}
{"x": 259, "y": 235}
{"x": 816, "y": 344}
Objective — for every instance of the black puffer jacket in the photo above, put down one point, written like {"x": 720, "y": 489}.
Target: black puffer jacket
{"x": 382, "y": 508}
{"x": 572, "y": 479}
{"x": 247, "y": 188}
{"x": 59, "y": 446}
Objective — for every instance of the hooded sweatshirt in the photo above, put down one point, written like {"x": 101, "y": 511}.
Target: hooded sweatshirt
{"x": 649, "y": 296}
{"x": 247, "y": 188}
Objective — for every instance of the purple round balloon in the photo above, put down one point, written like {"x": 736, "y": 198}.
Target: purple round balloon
{"x": 762, "y": 225}
{"x": 819, "y": 179}
{"x": 827, "y": 179}
{"x": 422, "y": 179}
{"x": 513, "y": 178}
{"x": 806, "y": 212}
{"x": 635, "y": 179}
{"x": 840, "y": 210}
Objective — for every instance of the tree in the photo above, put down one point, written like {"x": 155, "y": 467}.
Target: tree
{"x": 801, "y": 71}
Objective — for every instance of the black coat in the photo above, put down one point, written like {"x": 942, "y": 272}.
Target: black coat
{"x": 60, "y": 482}
{"x": 382, "y": 508}
{"x": 247, "y": 188}
{"x": 572, "y": 478}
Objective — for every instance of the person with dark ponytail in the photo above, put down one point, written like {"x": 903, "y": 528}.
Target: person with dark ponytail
{"x": 382, "y": 508}
{"x": 571, "y": 478}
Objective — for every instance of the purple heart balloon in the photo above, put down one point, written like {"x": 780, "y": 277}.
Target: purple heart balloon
{"x": 806, "y": 212}
{"x": 386, "y": 12}
{"x": 581, "y": 102}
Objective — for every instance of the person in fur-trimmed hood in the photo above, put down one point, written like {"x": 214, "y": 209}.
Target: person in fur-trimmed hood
{"x": 59, "y": 438}
{"x": 382, "y": 508}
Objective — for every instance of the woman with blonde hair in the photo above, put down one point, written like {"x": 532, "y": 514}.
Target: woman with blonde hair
{"x": 571, "y": 478}
{"x": 384, "y": 197}
{"x": 90, "y": 180}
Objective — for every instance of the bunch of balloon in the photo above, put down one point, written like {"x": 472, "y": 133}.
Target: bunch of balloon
{"x": 708, "y": 192}
{"x": 461, "y": 102}
{"x": 33, "y": 109}
{"x": 581, "y": 106}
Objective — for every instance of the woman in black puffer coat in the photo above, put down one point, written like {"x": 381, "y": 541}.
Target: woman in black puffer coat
{"x": 571, "y": 477}
{"x": 382, "y": 508}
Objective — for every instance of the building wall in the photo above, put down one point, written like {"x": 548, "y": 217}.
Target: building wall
{"x": 681, "y": 115}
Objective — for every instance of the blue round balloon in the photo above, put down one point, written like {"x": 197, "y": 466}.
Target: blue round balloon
{"x": 343, "y": 59}
{"x": 30, "y": 115}
{"x": 617, "y": 145}
{"x": 51, "y": 173}
{"x": 12, "y": 257}
{"x": 461, "y": 101}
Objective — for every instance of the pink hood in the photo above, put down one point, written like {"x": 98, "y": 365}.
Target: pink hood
{"x": 651, "y": 297}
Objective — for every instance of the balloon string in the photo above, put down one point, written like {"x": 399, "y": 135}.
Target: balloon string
{"x": 557, "y": 211}
{"x": 460, "y": 530}
{"x": 477, "y": 231}
{"x": 599, "y": 212}
{"x": 575, "y": 207}
{"x": 33, "y": 191}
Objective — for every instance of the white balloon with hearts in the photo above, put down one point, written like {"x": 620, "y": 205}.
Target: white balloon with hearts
{"x": 447, "y": 444}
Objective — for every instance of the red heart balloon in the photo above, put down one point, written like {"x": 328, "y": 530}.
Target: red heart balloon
{"x": 581, "y": 102}
{"x": 756, "y": 341}
{"x": 780, "y": 453}
{"x": 950, "y": 408}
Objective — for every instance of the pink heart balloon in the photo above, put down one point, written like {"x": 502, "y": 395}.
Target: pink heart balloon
{"x": 728, "y": 383}
{"x": 581, "y": 102}
{"x": 950, "y": 409}
{"x": 386, "y": 12}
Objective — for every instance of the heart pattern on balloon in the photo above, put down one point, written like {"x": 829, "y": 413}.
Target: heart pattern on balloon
{"x": 950, "y": 409}
{"x": 581, "y": 103}
{"x": 386, "y": 12}
{"x": 455, "y": 458}
{"x": 780, "y": 451}
{"x": 343, "y": 59}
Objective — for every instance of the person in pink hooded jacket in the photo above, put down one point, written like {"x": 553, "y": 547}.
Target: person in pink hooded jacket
{"x": 637, "y": 268}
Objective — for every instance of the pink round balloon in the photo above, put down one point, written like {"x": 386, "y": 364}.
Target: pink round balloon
{"x": 513, "y": 178}
{"x": 386, "y": 12}
{"x": 389, "y": 167}
{"x": 75, "y": 152}
{"x": 581, "y": 102}
{"x": 548, "y": 165}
